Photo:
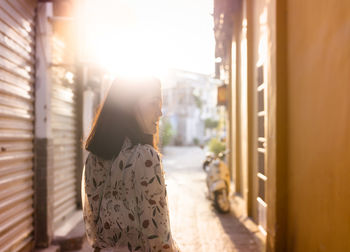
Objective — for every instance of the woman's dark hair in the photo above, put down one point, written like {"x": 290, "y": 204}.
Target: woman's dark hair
{"x": 115, "y": 118}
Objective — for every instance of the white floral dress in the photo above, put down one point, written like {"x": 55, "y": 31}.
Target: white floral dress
{"x": 125, "y": 201}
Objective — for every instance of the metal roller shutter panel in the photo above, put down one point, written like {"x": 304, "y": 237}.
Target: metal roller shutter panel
{"x": 17, "y": 42}
{"x": 64, "y": 124}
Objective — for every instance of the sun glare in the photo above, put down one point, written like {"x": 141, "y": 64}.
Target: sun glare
{"x": 121, "y": 43}
{"x": 134, "y": 37}
{"x": 127, "y": 54}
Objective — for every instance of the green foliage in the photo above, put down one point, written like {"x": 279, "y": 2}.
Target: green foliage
{"x": 198, "y": 101}
{"x": 195, "y": 141}
{"x": 210, "y": 123}
{"x": 166, "y": 132}
{"x": 216, "y": 146}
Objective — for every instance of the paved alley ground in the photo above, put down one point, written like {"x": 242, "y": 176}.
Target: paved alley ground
{"x": 196, "y": 226}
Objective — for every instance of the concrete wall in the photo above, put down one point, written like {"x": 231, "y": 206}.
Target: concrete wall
{"x": 318, "y": 125}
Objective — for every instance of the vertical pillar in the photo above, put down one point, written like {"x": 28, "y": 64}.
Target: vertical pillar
{"x": 229, "y": 109}
{"x": 43, "y": 179}
{"x": 277, "y": 130}
{"x": 252, "y": 208}
{"x": 238, "y": 162}
{"x": 80, "y": 132}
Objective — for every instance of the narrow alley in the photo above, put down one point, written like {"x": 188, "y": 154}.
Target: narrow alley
{"x": 195, "y": 223}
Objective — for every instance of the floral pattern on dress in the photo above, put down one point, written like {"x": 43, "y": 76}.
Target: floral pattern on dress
{"x": 125, "y": 201}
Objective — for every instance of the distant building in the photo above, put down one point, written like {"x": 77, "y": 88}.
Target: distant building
{"x": 188, "y": 100}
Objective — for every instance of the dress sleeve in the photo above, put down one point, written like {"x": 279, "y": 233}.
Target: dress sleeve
{"x": 152, "y": 201}
{"x": 93, "y": 177}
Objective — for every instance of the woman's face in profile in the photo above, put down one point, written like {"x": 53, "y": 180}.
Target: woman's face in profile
{"x": 148, "y": 112}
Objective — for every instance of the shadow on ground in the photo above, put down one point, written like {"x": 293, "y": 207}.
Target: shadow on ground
{"x": 242, "y": 238}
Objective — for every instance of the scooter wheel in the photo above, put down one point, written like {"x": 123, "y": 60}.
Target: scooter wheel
{"x": 221, "y": 201}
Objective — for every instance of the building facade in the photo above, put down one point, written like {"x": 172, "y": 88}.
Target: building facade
{"x": 188, "y": 100}
{"x": 288, "y": 68}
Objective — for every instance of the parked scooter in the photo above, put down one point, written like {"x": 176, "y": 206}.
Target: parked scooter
{"x": 218, "y": 181}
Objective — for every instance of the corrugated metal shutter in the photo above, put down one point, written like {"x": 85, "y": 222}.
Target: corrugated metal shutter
{"x": 17, "y": 41}
{"x": 64, "y": 124}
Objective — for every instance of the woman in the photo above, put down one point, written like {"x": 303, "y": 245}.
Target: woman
{"x": 123, "y": 190}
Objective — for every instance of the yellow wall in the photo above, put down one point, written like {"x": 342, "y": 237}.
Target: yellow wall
{"x": 243, "y": 106}
{"x": 236, "y": 123}
{"x": 318, "y": 125}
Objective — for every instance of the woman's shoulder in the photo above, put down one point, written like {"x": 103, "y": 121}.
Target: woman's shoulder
{"x": 147, "y": 147}
{"x": 139, "y": 152}
{"x": 148, "y": 151}
{"x": 141, "y": 148}
{"x": 95, "y": 161}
